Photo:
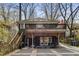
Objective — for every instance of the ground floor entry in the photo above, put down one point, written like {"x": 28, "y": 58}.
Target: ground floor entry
{"x": 40, "y": 41}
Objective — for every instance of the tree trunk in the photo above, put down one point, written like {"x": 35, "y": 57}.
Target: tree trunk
{"x": 25, "y": 15}
{"x": 71, "y": 34}
{"x": 19, "y": 14}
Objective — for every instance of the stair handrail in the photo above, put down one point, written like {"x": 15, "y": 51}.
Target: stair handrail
{"x": 13, "y": 44}
{"x": 19, "y": 37}
{"x": 13, "y": 38}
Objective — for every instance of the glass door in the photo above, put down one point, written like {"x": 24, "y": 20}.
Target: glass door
{"x": 44, "y": 41}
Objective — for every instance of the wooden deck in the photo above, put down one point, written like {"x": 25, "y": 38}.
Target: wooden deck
{"x": 44, "y": 32}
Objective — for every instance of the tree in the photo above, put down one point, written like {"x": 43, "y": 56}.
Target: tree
{"x": 68, "y": 12}
{"x": 5, "y": 11}
{"x": 28, "y": 10}
{"x": 31, "y": 11}
{"x": 25, "y": 9}
{"x": 51, "y": 11}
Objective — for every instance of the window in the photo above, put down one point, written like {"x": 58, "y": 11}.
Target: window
{"x": 22, "y": 26}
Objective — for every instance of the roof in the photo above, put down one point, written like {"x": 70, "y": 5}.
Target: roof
{"x": 38, "y": 21}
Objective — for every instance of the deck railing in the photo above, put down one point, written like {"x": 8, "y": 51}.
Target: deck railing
{"x": 46, "y": 26}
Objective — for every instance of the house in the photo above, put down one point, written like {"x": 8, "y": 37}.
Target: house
{"x": 40, "y": 32}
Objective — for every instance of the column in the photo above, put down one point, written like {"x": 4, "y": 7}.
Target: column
{"x": 58, "y": 37}
{"x": 50, "y": 40}
{"x": 28, "y": 42}
{"x": 32, "y": 41}
{"x": 25, "y": 41}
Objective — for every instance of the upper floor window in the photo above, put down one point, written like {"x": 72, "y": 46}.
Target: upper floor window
{"x": 39, "y": 26}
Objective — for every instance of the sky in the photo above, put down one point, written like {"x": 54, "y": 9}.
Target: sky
{"x": 38, "y": 8}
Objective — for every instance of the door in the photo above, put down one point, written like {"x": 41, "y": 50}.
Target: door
{"x": 36, "y": 41}
{"x": 44, "y": 41}
{"x": 54, "y": 41}
{"x": 30, "y": 42}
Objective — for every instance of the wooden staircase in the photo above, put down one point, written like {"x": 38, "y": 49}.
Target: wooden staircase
{"x": 12, "y": 45}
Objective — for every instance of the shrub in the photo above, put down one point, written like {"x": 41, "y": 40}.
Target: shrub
{"x": 77, "y": 36}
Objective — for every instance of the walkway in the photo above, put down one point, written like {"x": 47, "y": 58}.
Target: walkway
{"x": 62, "y": 50}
